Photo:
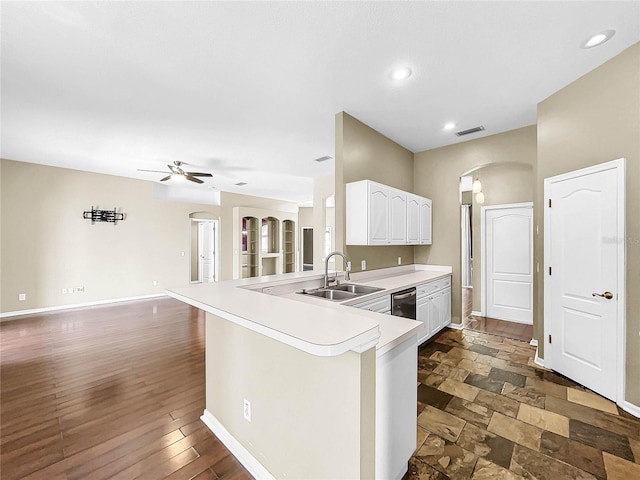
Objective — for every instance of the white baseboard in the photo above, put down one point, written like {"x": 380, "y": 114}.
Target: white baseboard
{"x": 456, "y": 326}
{"x": 243, "y": 455}
{"x": 8, "y": 315}
{"x": 631, "y": 408}
{"x": 534, "y": 343}
{"x": 476, "y": 314}
{"x": 537, "y": 360}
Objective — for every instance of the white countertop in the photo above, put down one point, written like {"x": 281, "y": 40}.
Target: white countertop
{"x": 314, "y": 325}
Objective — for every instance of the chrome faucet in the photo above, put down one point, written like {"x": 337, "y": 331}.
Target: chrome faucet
{"x": 326, "y": 268}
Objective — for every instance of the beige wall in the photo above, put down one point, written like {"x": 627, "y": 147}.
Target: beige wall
{"x": 326, "y": 420}
{"x": 323, "y": 187}
{"x": 365, "y": 154}
{"x": 593, "y": 120}
{"x": 48, "y": 246}
{"x": 437, "y": 176}
{"x": 501, "y": 184}
{"x": 305, "y": 217}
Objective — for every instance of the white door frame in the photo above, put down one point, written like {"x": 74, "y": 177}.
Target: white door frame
{"x": 619, "y": 166}
{"x": 483, "y": 248}
{"x": 216, "y": 248}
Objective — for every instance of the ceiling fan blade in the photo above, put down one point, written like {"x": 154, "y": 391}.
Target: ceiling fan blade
{"x": 193, "y": 179}
{"x": 175, "y": 170}
{"x": 165, "y": 178}
{"x": 199, "y": 174}
{"x": 152, "y": 171}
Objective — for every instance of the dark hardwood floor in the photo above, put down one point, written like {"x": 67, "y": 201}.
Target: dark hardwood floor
{"x": 108, "y": 392}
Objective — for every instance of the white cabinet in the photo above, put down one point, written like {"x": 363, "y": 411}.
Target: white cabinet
{"x": 425, "y": 221}
{"x": 413, "y": 218}
{"x": 433, "y": 306}
{"x": 377, "y": 214}
{"x": 398, "y": 217}
{"x": 380, "y": 304}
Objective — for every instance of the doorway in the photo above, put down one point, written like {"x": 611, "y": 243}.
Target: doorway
{"x": 306, "y": 249}
{"x": 584, "y": 276}
{"x": 507, "y": 262}
{"x": 204, "y": 249}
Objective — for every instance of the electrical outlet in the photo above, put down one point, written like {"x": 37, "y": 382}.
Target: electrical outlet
{"x": 64, "y": 291}
{"x": 70, "y": 290}
{"x": 155, "y": 282}
{"x": 80, "y": 288}
{"x": 363, "y": 265}
{"x": 247, "y": 410}
{"x": 399, "y": 260}
{"x": 22, "y": 297}
{"x": 182, "y": 254}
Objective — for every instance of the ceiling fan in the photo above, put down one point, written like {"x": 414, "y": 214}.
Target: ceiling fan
{"x": 177, "y": 173}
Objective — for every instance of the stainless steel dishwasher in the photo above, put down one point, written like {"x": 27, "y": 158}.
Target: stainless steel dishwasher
{"x": 403, "y": 303}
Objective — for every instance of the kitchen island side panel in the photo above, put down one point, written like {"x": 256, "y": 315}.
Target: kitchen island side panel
{"x": 311, "y": 416}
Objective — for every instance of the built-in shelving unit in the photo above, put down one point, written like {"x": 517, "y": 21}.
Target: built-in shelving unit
{"x": 288, "y": 246}
{"x": 250, "y": 247}
{"x": 267, "y": 241}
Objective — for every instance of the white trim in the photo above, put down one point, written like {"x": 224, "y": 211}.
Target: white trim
{"x": 456, "y": 326}
{"x": 77, "y": 305}
{"x": 248, "y": 461}
{"x": 483, "y": 243}
{"x": 631, "y": 408}
{"x": 619, "y": 166}
{"x": 534, "y": 343}
{"x": 477, "y": 314}
{"x": 539, "y": 361}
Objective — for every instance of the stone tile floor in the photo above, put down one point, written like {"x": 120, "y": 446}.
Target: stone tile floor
{"x": 486, "y": 411}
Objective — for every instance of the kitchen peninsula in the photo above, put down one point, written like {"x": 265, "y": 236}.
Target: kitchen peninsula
{"x": 304, "y": 387}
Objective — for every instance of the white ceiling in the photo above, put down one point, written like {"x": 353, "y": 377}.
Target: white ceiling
{"x": 248, "y": 90}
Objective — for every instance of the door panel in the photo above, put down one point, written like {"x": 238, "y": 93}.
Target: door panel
{"x": 584, "y": 327}
{"x": 378, "y": 216}
{"x": 509, "y": 263}
{"x": 206, "y": 251}
{"x": 398, "y": 217}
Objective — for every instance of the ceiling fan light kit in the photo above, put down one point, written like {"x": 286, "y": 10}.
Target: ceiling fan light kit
{"x": 178, "y": 174}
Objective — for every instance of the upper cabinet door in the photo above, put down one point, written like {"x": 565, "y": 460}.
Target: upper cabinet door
{"x": 398, "y": 217}
{"x": 425, "y": 221}
{"x": 378, "y": 214}
{"x": 413, "y": 219}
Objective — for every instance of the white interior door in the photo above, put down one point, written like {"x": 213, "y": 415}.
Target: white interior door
{"x": 584, "y": 255}
{"x": 206, "y": 252}
{"x": 508, "y": 253}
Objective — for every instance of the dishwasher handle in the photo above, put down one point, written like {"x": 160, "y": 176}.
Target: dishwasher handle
{"x": 412, "y": 293}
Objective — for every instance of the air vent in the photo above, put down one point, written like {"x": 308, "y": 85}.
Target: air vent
{"x": 241, "y": 184}
{"x": 471, "y": 130}
{"x": 323, "y": 159}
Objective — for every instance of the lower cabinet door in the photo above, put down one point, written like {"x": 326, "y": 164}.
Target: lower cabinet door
{"x": 422, "y": 315}
{"x": 444, "y": 310}
{"x": 434, "y": 314}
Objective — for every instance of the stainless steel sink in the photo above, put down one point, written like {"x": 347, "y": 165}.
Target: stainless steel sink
{"x": 341, "y": 292}
{"x": 357, "y": 289}
{"x": 331, "y": 294}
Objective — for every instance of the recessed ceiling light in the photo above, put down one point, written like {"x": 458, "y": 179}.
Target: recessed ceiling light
{"x": 449, "y": 126}
{"x": 241, "y": 184}
{"x": 401, "y": 73}
{"x": 598, "y": 39}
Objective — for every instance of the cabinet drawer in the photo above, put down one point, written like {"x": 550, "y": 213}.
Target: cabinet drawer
{"x": 380, "y": 305}
{"x": 431, "y": 287}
